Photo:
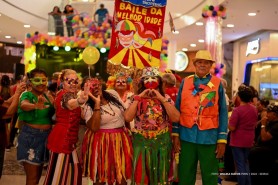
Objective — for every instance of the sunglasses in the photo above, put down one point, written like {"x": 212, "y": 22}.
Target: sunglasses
{"x": 120, "y": 81}
{"x": 72, "y": 81}
{"x": 38, "y": 81}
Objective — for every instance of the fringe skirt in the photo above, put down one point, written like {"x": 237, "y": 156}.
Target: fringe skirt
{"x": 152, "y": 159}
{"x": 107, "y": 155}
{"x": 63, "y": 169}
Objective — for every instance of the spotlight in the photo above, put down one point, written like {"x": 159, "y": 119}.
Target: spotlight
{"x": 55, "y": 48}
{"x": 67, "y": 48}
{"x": 103, "y": 50}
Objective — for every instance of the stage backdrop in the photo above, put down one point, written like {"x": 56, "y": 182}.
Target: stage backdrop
{"x": 137, "y": 32}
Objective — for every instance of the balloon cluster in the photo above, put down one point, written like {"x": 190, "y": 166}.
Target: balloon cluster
{"x": 164, "y": 55}
{"x": 218, "y": 69}
{"x": 85, "y": 22}
{"x": 214, "y": 11}
{"x": 98, "y": 40}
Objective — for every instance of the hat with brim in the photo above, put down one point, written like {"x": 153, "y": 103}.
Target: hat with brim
{"x": 203, "y": 55}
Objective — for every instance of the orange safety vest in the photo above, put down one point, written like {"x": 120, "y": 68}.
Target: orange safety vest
{"x": 201, "y": 109}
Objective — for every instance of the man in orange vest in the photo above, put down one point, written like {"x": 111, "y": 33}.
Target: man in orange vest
{"x": 202, "y": 131}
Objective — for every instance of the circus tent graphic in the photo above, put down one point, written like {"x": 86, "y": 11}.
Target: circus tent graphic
{"x": 136, "y": 35}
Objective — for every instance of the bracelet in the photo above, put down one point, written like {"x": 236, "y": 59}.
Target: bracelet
{"x": 96, "y": 109}
{"x": 137, "y": 98}
{"x": 263, "y": 126}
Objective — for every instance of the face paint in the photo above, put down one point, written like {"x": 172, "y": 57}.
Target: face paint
{"x": 72, "y": 81}
{"x": 120, "y": 81}
{"x": 38, "y": 81}
{"x": 151, "y": 82}
{"x": 94, "y": 84}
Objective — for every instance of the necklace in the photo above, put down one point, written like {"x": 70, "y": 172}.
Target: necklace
{"x": 110, "y": 112}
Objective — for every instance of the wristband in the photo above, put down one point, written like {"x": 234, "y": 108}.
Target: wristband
{"x": 96, "y": 109}
{"x": 263, "y": 126}
{"x": 137, "y": 98}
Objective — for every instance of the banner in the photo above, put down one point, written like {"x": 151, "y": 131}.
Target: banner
{"x": 148, "y": 3}
{"x": 137, "y": 33}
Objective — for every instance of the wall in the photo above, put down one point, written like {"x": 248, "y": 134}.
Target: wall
{"x": 268, "y": 48}
{"x": 10, "y": 57}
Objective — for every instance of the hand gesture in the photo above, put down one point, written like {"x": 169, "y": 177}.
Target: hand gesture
{"x": 155, "y": 94}
{"x": 145, "y": 94}
{"x": 20, "y": 88}
{"x": 84, "y": 95}
{"x": 40, "y": 104}
{"x": 96, "y": 99}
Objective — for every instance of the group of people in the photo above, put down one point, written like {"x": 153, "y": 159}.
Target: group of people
{"x": 138, "y": 130}
{"x": 253, "y": 138}
{"x": 69, "y": 12}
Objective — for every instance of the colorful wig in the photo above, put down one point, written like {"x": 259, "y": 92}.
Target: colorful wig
{"x": 110, "y": 84}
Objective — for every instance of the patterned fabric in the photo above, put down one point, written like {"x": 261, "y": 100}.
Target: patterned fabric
{"x": 151, "y": 159}
{"x": 151, "y": 116}
{"x": 63, "y": 169}
{"x": 107, "y": 155}
{"x": 64, "y": 135}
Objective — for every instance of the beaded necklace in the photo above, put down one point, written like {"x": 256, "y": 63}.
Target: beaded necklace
{"x": 111, "y": 113}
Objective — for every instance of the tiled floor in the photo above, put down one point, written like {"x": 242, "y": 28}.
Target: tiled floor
{"x": 20, "y": 179}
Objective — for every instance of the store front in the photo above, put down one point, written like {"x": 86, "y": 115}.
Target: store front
{"x": 256, "y": 63}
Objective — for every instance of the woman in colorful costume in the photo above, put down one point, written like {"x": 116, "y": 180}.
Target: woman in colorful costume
{"x": 35, "y": 109}
{"x": 152, "y": 144}
{"x": 122, "y": 84}
{"x": 107, "y": 148}
{"x": 64, "y": 167}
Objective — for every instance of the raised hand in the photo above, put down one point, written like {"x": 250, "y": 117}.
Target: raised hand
{"x": 40, "y": 104}
{"x": 96, "y": 99}
{"x": 155, "y": 94}
{"x": 20, "y": 88}
{"x": 84, "y": 94}
{"x": 145, "y": 93}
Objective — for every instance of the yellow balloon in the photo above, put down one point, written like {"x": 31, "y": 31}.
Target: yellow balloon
{"x": 90, "y": 55}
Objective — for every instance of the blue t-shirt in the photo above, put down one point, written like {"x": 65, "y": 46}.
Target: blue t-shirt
{"x": 101, "y": 14}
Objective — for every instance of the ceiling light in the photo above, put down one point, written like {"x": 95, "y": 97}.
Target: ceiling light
{"x": 8, "y": 37}
{"x": 193, "y": 45}
{"x": 102, "y": 50}
{"x": 55, "y": 48}
{"x": 175, "y": 32}
{"x": 199, "y": 23}
{"x": 19, "y": 42}
{"x": 188, "y": 20}
{"x": 51, "y": 33}
{"x": 201, "y": 40}
{"x": 67, "y": 48}
{"x": 184, "y": 49}
{"x": 252, "y": 14}
{"x": 26, "y": 26}
{"x": 230, "y": 25}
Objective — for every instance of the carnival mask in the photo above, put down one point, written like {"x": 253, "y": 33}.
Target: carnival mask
{"x": 151, "y": 82}
{"x": 39, "y": 81}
